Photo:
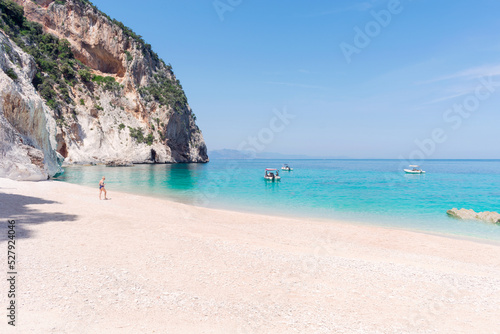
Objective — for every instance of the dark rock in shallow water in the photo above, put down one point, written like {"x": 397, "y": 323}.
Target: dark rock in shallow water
{"x": 490, "y": 217}
{"x": 119, "y": 163}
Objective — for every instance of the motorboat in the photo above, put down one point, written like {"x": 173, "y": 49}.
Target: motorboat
{"x": 414, "y": 169}
{"x": 272, "y": 174}
{"x": 286, "y": 168}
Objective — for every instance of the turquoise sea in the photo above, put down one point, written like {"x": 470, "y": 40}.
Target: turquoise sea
{"x": 366, "y": 191}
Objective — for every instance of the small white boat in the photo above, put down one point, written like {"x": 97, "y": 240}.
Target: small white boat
{"x": 286, "y": 167}
{"x": 272, "y": 174}
{"x": 414, "y": 169}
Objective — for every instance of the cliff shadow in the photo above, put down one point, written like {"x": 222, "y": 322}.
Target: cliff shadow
{"x": 15, "y": 207}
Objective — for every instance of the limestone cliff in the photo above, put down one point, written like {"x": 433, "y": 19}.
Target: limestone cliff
{"x": 27, "y": 131}
{"x": 109, "y": 94}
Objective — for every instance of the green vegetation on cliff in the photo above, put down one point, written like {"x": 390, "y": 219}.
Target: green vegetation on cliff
{"x": 108, "y": 83}
{"x": 138, "y": 135}
{"x": 58, "y": 70}
{"x": 165, "y": 91}
{"x": 56, "y": 64}
{"x": 11, "y": 73}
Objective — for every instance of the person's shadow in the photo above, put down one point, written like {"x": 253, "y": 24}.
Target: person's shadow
{"x": 15, "y": 207}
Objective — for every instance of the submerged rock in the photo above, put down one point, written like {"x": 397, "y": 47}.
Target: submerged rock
{"x": 490, "y": 217}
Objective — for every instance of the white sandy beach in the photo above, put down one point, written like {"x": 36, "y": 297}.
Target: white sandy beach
{"x": 136, "y": 264}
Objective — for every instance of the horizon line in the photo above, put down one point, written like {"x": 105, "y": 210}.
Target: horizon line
{"x": 437, "y": 159}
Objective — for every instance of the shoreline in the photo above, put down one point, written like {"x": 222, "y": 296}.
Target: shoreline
{"x": 138, "y": 263}
{"x": 355, "y": 222}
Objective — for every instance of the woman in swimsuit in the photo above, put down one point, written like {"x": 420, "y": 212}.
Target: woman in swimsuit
{"x": 101, "y": 188}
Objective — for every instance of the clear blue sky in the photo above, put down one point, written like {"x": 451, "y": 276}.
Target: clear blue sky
{"x": 396, "y": 89}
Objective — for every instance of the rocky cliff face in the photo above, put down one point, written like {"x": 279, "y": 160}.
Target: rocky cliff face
{"x": 27, "y": 131}
{"x": 108, "y": 93}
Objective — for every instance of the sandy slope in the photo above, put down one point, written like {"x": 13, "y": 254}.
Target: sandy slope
{"x": 143, "y": 265}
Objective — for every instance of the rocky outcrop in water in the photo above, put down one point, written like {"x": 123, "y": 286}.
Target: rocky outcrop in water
{"x": 490, "y": 217}
{"x": 104, "y": 94}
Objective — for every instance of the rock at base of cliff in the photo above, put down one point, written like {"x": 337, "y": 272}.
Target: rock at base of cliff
{"x": 23, "y": 163}
{"x": 119, "y": 163}
{"x": 490, "y": 217}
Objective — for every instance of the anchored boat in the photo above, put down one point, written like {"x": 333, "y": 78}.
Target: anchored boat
{"x": 414, "y": 169}
{"x": 287, "y": 168}
{"x": 272, "y": 174}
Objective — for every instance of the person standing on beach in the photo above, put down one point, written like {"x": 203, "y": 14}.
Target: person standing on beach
{"x": 101, "y": 188}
